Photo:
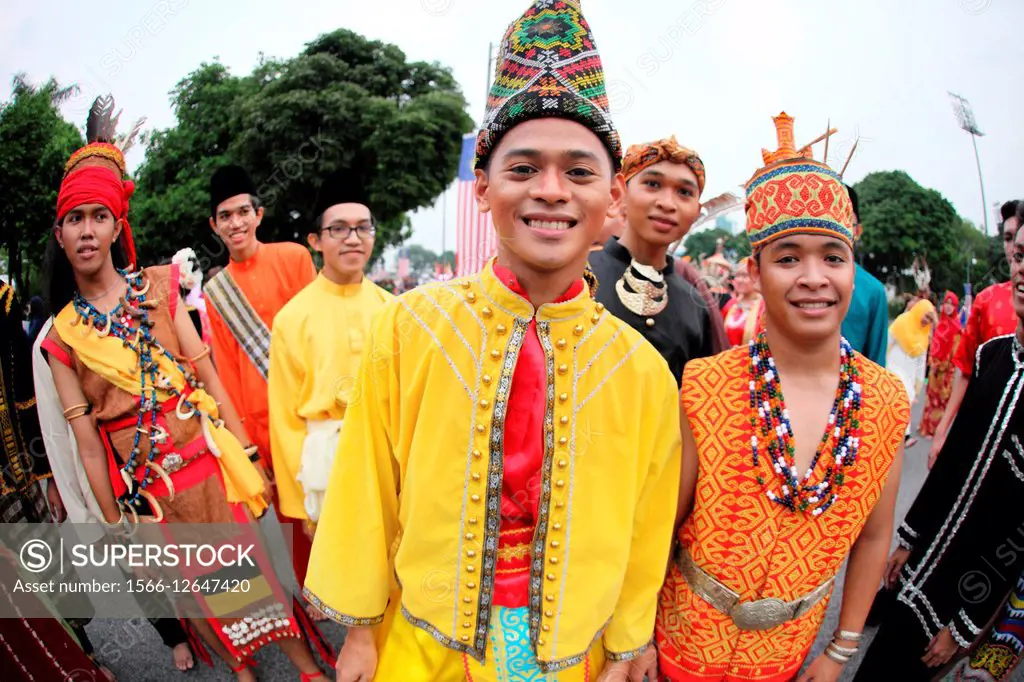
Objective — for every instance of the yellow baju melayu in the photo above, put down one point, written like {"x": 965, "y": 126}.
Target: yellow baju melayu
{"x": 416, "y": 487}
{"x": 315, "y": 348}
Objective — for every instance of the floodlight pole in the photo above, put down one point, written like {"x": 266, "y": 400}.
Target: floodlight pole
{"x": 977, "y": 159}
{"x": 965, "y": 117}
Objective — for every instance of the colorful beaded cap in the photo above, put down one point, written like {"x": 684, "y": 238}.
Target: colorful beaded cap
{"x": 548, "y": 65}
{"x": 793, "y": 193}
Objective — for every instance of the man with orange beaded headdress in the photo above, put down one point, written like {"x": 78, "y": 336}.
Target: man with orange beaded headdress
{"x": 637, "y": 278}
{"x": 497, "y": 507}
{"x": 778, "y": 490}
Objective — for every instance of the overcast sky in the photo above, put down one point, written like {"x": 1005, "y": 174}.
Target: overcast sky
{"x": 712, "y": 72}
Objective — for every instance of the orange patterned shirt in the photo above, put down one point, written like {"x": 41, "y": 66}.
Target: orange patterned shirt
{"x": 755, "y": 546}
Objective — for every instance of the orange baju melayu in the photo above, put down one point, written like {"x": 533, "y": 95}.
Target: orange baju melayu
{"x": 268, "y": 280}
{"x": 757, "y": 548}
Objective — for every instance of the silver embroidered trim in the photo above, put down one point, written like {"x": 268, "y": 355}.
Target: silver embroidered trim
{"x": 912, "y": 591}
{"x": 908, "y": 531}
{"x": 611, "y": 372}
{"x": 975, "y": 630}
{"x": 586, "y": 368}
{"x": 964, "y": 643}
{"x": 338, "y": 616}
{"x": 430, "y": 332}
{"x": 495, "y": 472}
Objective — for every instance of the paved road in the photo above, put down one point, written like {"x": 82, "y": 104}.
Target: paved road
{"x": 134, "y": 653}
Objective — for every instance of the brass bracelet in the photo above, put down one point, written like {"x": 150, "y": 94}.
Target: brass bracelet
{"x": 204, "y": 354}
{"x": 77, "y": 415}
{"x": 71, "y": 409}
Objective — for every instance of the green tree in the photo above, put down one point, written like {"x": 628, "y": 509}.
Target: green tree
{"x": 345, "y": 102}
{"x": 35, "y": 142}
{"x": 901, "y": 220}
{"x": 171, "y": 210}
{"x": 420, "y": 258}
{"x": 702, "y": 243}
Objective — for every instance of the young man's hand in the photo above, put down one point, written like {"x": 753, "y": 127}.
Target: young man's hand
{"x": 940, "y": 649}
{"x": 56, "y": 503}
{"x": 938, "y": 441}
{"x": 824, "y": 669}
{"x": 892, "y": 569}
{"x": 646, "y": 664}
{"x": 357, "y": 661}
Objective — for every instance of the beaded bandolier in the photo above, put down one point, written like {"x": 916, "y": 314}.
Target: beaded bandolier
{"x": 130, "y": 323}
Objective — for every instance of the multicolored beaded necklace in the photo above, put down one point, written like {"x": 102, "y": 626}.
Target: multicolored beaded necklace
{"x": 768, "y": 409}
{"x": 129, "y": 321}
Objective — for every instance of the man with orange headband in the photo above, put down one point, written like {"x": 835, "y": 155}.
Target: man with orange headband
{"x": 770, "y": 506}
{"x": 637, "y": 279}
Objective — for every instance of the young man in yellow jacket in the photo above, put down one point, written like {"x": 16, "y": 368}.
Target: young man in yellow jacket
{"x": 503, "y": 496}
{"x": 315, "y": 348}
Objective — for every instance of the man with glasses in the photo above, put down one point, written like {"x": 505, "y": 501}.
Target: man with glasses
{"x": 866, "y": 325}
{"x": 242, "y": 300}
{"x": 315, "y": 349}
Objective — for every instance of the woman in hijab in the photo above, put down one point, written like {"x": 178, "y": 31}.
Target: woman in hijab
{"x": 940, "y": 361}
{"x": 908, "y": 350}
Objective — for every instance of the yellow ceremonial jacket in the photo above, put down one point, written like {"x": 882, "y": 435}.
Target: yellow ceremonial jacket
{"x": 416, "y": 484}
{"x": 315, "y": 348}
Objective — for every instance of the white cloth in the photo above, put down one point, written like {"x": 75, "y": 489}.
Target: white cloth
{"x": 318, "y": 452}
{"x": 910, "y": 370}
{"x": 59, "y": 440}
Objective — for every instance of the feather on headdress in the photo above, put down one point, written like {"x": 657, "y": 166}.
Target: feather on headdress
{"x": 102, "y": 138}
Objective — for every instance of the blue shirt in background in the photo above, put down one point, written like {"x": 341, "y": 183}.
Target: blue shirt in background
{"x": 866, "y": 326}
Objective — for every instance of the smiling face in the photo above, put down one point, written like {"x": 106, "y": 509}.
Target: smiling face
{"x": 662, "y": 201}
{"x": 741, "y": 283}
{"x": 1017, "y": 275}
{"x": 345, "y": 239}
{"x": 806, "y": 282}
{"x": 86, "y": 235}
{"x": 235, "y": 223}
{"x": 548, "y": 187}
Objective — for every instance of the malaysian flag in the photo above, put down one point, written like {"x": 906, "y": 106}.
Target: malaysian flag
{"x": 403, "y": 263}
{"x": 475, "y": 240}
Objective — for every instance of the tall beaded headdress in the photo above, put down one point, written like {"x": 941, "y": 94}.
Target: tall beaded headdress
{"x": 548, "y": 66}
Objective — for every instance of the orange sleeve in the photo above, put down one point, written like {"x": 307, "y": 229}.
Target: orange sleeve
{"x": 305, "y": 270}
{"x": 971, "y": 339}
{"x": 225, "y": 356}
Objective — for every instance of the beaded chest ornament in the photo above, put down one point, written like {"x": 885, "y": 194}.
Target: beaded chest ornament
{"x": 129, "y": 321}
{"x": 841, "y": 437}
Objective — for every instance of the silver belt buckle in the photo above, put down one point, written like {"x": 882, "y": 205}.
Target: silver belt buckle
{"x": 762, "y": 614}
{"x": 172, "y": 462}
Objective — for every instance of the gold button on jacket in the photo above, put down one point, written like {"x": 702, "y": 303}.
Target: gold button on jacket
{"x": 415, "y": 489}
